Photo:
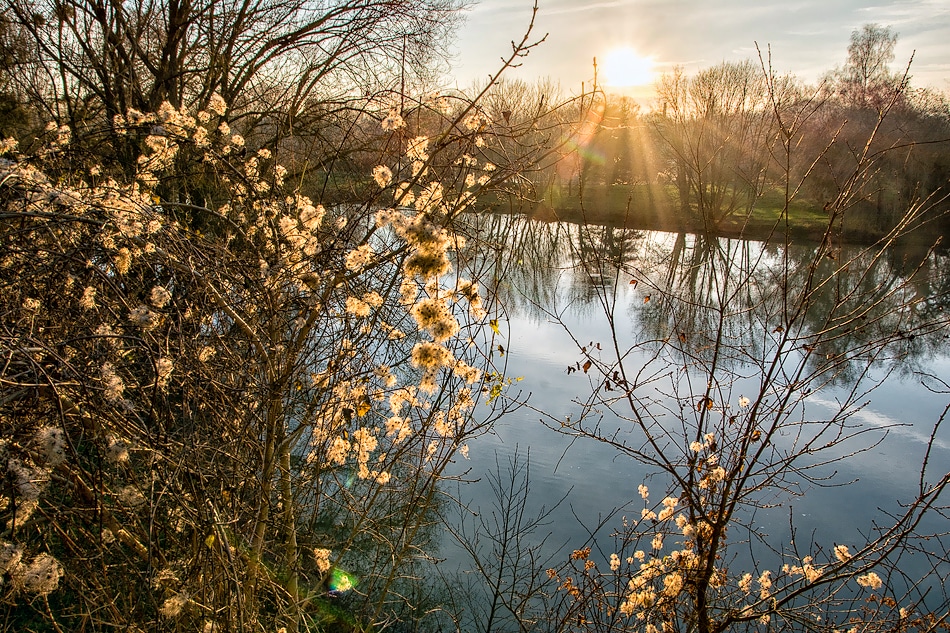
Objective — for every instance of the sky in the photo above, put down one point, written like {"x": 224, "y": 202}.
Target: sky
{"x": 806, "y": 37}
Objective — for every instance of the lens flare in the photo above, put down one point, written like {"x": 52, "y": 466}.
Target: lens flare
{"x": 341, "y": 581}
{"x": 578, "y": 147}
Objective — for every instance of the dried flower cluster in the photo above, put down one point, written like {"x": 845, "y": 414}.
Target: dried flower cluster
{"x": 307, "y": 359}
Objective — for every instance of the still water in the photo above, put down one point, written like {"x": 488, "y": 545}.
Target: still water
{"x": 665, "y": 308}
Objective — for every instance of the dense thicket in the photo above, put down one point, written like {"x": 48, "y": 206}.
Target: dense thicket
{"x": 227, "y": 401}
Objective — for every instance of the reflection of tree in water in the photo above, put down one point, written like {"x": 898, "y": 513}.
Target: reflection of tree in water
{"x": 531, "y": 260}
{"x": 868, "y": 308}
{"x": 598, "y": 256}
{"x": 704, "y": 300}
{"x": 929, "y": 304}
{"x": 705, "y": 297}
{"x": 521, "y": 257}
{"x": 730, "y": 297}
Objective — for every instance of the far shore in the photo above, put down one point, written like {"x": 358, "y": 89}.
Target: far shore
{"x": 645, "y": 207}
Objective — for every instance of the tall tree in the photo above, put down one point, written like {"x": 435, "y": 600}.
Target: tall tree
{"x": 717, "y": 130}
{"x": 866, "y": 79}
{"x": 101, "y": 58}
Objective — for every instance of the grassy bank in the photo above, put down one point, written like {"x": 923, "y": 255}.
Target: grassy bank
{"x": 656, "y": 207}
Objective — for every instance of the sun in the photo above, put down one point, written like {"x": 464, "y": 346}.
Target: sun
{"x": 623, "y": 67}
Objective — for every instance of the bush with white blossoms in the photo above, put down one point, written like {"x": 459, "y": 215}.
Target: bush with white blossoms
{"x": 216, "y": 388}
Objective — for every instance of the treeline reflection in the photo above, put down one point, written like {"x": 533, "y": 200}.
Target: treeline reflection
{"x": 701, "y": 299}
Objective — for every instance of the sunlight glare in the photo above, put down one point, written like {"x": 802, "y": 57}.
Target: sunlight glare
{"x": 625, "y": 67}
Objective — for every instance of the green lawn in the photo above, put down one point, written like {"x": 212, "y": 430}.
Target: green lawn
{"x": 657, "y": 207}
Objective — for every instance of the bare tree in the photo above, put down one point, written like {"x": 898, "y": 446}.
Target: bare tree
{"x": 96, "y": 60}
{"x": 866, "y": 79}
{"x": 718, "y": 132}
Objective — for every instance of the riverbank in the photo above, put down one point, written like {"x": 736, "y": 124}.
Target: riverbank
{"x": 651, "y": 207}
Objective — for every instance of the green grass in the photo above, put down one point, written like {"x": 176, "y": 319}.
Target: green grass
{"x": 657, "y": 207}
{"x": 769, "y": 209}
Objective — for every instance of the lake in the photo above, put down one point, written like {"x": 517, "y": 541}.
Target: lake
{"x": 692, "y": 324}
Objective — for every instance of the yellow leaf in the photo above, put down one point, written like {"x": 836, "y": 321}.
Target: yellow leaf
{"x": 494, "y": 326}
{"x": 363, "y": 407}
{"x": 210, "y": 541}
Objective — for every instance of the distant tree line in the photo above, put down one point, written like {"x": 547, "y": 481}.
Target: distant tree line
{"x": 711, "y": 141}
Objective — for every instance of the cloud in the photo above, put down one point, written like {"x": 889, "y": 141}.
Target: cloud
{"x": 584, "y": 8}
{"x": 916, "y": 434}
{"x": 807, "y": 37}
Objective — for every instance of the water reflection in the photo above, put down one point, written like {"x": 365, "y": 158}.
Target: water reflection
{"x": 672, "y": 322}
{"x": 695, "y": 290}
